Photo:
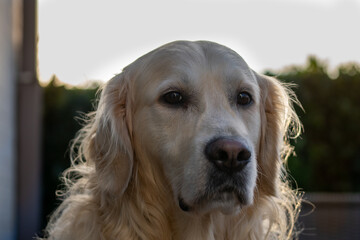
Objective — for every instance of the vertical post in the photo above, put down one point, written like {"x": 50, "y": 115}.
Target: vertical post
{"x": 8, "y": 68}
{"x": 29, "y": 128}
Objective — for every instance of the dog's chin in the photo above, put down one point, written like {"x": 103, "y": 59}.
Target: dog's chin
{"x": 228, "y": 203}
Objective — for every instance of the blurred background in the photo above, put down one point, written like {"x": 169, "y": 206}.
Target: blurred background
{"x": 55, "y": 54}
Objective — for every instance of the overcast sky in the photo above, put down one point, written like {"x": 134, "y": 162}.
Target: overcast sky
{"x": 83, "y": 40}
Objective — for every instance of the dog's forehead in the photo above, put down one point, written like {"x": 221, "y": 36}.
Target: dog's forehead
{"x": 207, "y": 55}
{"x": 189, "y": 60}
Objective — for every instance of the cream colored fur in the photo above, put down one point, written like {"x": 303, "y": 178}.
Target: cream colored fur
{"x": 135, "y": 155}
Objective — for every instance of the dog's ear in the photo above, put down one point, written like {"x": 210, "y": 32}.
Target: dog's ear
{"x": 110, "y": 146}
{"x": 279, "y": 122}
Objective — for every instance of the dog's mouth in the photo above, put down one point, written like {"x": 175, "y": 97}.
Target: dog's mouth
{"x": 227, "y": 192}
{"x": 184, "y": 206}
{"x": 227, "y": 200}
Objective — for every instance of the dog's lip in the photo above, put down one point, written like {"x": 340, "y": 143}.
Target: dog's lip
{"x": 223, "y": 195}
{"x": 184, "y": 206}
{"x": 226, "y": 194}
{"x": 228, "y": 204}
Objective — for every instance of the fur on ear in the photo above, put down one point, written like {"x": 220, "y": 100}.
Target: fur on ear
{"x": 102, "y": 166}
{"x": 279, "y": 123}
{"x": 110, "y": 144}
{"x": 102, "y": 152}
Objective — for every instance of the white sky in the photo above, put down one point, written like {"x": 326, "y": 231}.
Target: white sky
{"x": 83, "y": 40}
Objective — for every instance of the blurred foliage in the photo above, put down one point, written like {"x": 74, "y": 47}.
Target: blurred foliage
{"x": 328, "y": 152}
{"x": 62, "y": 107}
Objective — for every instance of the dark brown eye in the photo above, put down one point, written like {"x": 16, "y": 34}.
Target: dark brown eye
{"x": 244, "y": 98}
{"x": 173, "y": 98}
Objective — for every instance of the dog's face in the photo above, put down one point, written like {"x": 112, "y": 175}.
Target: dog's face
{"x": 188, "y": 127}
{"x": 197, "y": 114}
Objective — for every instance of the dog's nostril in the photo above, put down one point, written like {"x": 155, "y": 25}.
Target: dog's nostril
{"x": 222, "y": 155}
{"x": 244, "y": 155}
{"x": 228, "y": 154}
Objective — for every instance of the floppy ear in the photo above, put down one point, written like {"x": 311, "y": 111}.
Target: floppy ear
{"x": 110, "y": 145}
{"x": 279, "y": 120}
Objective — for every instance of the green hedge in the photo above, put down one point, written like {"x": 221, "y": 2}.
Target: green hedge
{"x": 61, "y": 108}
{"x": 328, "y": 152}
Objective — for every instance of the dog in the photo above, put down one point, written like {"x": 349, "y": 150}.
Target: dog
{"x": 187, "y": 142}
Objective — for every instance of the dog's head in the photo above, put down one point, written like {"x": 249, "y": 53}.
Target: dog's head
{"x": 196, "y": 110}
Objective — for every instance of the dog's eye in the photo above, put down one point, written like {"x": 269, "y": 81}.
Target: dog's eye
{"x": 244, "y": 98}
{"x": 173, "y": 98}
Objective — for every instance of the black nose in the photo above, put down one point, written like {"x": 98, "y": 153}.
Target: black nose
{"x": 228, "y": 154}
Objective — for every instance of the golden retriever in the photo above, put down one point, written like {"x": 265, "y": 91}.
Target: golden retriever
{"x": 187, "y": 142}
